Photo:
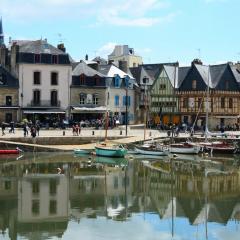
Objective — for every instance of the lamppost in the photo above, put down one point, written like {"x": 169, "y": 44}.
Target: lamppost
{"x": 126, "y": 102}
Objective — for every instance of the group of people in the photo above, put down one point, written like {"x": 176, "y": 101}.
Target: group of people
{"x": 11, "y": 127}
{"x": 76, "y": 129}
{"x": 33, "y": 129}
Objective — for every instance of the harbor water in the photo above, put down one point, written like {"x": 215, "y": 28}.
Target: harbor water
{"x": 67, "y": 196}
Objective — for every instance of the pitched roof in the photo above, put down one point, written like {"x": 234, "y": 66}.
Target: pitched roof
{"x": 83, "y": 68}
{"x": 112, "y": 70}
{"x": 204, "y": 71}
{"x": 37, "y": 47}
{"x": 236, "y": 72}
{"x": 216, "y": 72}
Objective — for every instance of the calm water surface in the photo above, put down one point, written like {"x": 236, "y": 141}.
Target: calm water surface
{"x": 62, "y": 196}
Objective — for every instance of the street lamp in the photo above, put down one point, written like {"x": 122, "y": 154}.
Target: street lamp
{"x": 126, "y": 102}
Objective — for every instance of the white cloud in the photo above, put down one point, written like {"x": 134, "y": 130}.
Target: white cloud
{"x": 106, "y": 49}
{"x": 142, "y": 13}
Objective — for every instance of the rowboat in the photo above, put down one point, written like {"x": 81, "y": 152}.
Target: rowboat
{"x": 9, "y": 151}
{"x": 184, "y": 148}
{"x": 152, "y": 149}
{"x": 110, "y": 151}
{"x": 81, "y": 151}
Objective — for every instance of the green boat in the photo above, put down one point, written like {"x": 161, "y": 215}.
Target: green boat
{"x": 110, "y": 151}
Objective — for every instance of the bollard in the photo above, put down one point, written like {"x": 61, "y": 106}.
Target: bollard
{"x": 120, "y": 132}
{"x": 92, "y": 132}
{"x": 63, "y": 133}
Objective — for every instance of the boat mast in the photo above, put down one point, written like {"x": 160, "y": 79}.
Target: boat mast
{"x": 107, "y": 116}
{"x": 207, "y": 105}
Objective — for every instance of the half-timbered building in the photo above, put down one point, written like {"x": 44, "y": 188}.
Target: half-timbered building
{"x": 214, "y": 88}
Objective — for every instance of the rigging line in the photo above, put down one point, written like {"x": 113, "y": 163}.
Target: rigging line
{"x": 198, "y": 110}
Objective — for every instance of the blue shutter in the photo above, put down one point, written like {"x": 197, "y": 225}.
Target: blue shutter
{"x": 129, "y": 100}
{"x": 116, "y": 100}
{"x": 124, "y": 100}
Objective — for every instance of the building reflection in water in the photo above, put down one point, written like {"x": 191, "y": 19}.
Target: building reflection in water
{"x": 37, "y": 200}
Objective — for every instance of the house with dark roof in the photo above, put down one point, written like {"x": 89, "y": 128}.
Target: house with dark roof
{"x": 44, "y": 74}
{"x": 9, "y": 105}
{"x": 215, "y": 87}
{"x": 97, "y": 88}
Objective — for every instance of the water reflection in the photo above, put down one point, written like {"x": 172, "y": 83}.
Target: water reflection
{"x": 39, "y": 201}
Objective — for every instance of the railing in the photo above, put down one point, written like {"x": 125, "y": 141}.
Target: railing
{"x": 45, "y": 103}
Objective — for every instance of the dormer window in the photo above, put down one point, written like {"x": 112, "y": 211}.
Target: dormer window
{"x": 54, "y": 59}
{"x": 194, "y": 84}
{"x": 37, "y": 58}
{"x": 82, "y": 79}
{"x": 145, "y": 80}
{"x": 162, "y": 86}
{"x": 96, "y": 80}
{"x": 116, "y": 81}
{"x": 227, "y": 85}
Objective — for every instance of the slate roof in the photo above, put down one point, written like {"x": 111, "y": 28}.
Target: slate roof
{"x": 37, "y": 47}
{"x": 236, "y": 73}
{"x": 83, "y": 68}
{"x": 10, "y": 80}
{"x": 100, "y": 60}
{"x": 136, "y": 73}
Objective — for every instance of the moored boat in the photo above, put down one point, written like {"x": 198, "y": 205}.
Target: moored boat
{"x": 9, "y": 151}
{"x": 184, "y": 148}
{"x": 218, "y": 147}
{"x": 110, "y": 151}
{"x": 152, "y": 150}
{"x": 82, "y": 151}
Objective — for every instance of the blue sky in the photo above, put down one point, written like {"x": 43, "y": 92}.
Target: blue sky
{"x": 158, "y": 30}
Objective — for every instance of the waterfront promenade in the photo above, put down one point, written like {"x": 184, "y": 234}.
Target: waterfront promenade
{"x": 117, "y": 135}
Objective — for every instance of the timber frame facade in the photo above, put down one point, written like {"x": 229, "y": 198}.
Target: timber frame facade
{"x": 196, "y": 88}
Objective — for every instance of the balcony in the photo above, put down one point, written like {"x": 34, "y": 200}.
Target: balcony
{"x": 44, "y": 103}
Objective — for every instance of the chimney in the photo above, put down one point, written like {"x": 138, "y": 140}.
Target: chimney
{"x": 110, "y": 62}
{"x": 86, "y": 57}
{"x": 123, "y": 66}
{"x": 197, "y": 61}
{"x": 61, "y": 47}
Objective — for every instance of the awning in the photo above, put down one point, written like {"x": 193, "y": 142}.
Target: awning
{"x": 9, "y": 107}
{"x": 100, "y": 109}
{"x": 42, "y": 112}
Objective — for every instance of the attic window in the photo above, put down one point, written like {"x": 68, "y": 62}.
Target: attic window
{"x": 37, "y": 58}
{"x": 82, "y": 79}
{"x": 145, "y": 80}
{"x": 194, "y": 84}
{"x": 162, "y": 86}
{"x": 54, "y": 59}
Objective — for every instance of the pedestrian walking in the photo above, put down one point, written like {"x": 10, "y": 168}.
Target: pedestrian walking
{"x": 33, "y": 131}
{"x": 25, "y": 131}
{"x": 3, "y": 128}
{"x": 37, "y": 128}
{"x": 12, "y": 125}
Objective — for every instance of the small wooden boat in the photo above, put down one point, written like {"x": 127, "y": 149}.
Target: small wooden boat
{"x": 218, "y": 147}
{"x": 110, "y": 151}
{"x": 152, "y": 149}
{"x": 184, "y": 148}
{"x": 82, "y": 151}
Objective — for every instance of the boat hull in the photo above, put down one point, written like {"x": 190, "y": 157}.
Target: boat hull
{"x": 185, "y": 149}
{"x": 146, "y": 151}
{"x": 110, "y": 152}
{"x": 9, "y": 151}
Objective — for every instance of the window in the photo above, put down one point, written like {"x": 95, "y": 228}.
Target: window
{"x": 36, "y": 97}
{"x": 54, "y": 78}
{"x": 8, "y": 100}
{"x": 162, "y": 86}
{"x": 145, "y": 80}
{"x": 53, "y": 207}
{"x": 54, "y": 59}
{"x": 222, "y": 102}
{"x": 36, "y": 78}
{"x": 35, "y": 207}
{"x": 116, "y": 100}
{"x": 128, "y": 101}
{"x": 35, "y": 187}
{"x": 53, "y": 186}
{"x": 199, "y": 102}
{"x": 95, "y": 99}
{"x": 54, "y": 98}
{"x": 82, "y": 79}
{"x": 230, "y": 103}
{"x": 194, "y": 84}
{"x": 37, "y": 58}
{"x": 82, "y": 98}
{"x": 116, "y": 82}
{"x": 7, "y": 185}
{"x": 227, "y": 85}
{"x": 8, "y": 117}
{"x": 185, "y": 102}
